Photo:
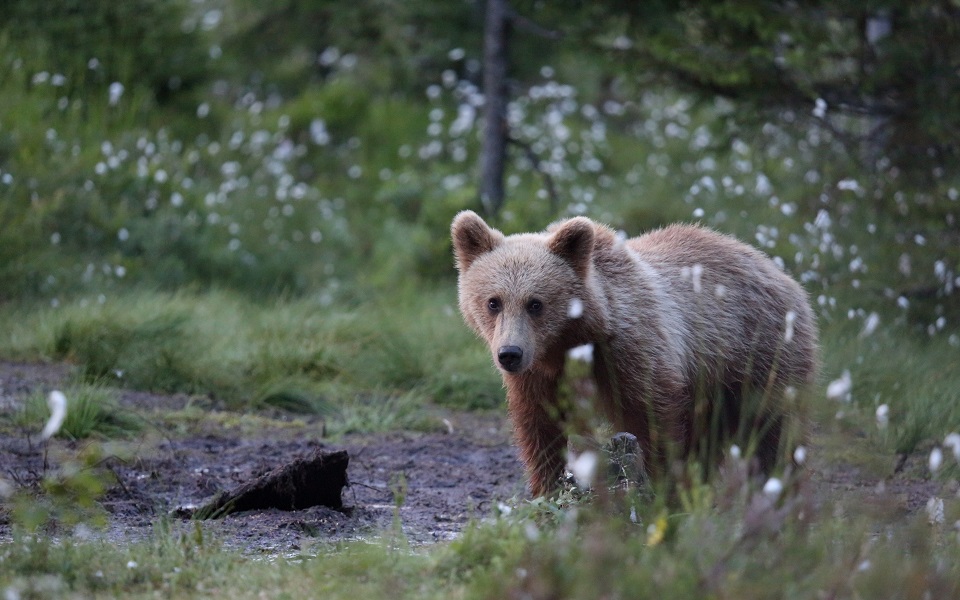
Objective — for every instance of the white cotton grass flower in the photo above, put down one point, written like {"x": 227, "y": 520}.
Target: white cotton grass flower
{"x": 936, "y": 460}
{"x": 789, "y": 319}
{"x": 735, "y": 452}
{"x": 583, "y": 467}
{"x": 773, "y": 488}
{"x": 935, "y": 510}
{"x": 58, "y": 413}
{"x": 952, "y": 441}
{"x": 620, "y": 238}
{"x": 800, "y": 455}
{"x": 582, "y": 353}
{"x": 575, "y": 308}
{"x": 696, "y": 273}
{"x": 819, "y": 108}
{"x": 318, "y": 132}
{"x": 839, "y": 389}
{"x": 883, "y": 416}
{"x": 870, "y": 325}
{"x": 115, "y": 91}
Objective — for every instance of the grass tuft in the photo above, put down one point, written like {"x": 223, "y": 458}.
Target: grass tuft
{"x": 92, "y": 411}
{"x": 913, "y": 374}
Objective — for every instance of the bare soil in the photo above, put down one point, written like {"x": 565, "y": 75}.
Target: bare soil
{"x": 425, "y": 486}
{"x": 429, "y": 485}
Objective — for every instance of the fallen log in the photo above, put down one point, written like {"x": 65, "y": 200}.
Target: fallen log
{"x": 314, "y": 481}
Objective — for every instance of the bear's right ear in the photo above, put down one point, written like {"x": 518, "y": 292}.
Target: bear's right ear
{"x": 572, "y": 241}
{"x": 472, "y": 238}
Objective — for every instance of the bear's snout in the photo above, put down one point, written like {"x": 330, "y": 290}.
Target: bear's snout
{"x": 510, "y": 357}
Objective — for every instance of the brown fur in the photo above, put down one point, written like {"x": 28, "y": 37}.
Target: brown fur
{"x": 675, "y": 316}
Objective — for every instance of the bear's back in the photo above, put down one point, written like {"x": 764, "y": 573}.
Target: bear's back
{"x": 734, "y": 299}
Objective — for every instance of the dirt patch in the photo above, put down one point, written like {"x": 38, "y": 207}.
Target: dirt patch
{"x": 427, "y": 485}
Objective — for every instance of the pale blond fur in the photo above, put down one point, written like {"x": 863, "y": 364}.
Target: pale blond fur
{"x": 670, "y": 353}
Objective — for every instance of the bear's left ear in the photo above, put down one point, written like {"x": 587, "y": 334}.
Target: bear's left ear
{"x": 472, "y": 237}
{"x": 573, "y": 242}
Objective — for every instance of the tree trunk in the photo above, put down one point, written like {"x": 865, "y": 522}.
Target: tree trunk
{"x": 493, "y": 158}
{"x": 305, "y": 482}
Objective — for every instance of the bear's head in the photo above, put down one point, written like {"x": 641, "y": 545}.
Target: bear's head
{"x": 525, "y": 294}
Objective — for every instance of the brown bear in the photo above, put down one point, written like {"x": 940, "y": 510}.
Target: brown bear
{"x": 696, "y": 336}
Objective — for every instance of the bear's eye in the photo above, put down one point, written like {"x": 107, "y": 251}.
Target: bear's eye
{"x": 534, "y": 307}
{"x": 494, "y": 306}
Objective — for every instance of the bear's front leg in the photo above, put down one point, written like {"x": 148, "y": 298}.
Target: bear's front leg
{"x": 538, "y": 429}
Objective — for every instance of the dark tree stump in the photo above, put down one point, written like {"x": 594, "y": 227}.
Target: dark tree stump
{"x": 314, "y": 481}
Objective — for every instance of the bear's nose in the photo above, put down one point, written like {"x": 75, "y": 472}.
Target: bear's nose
{"x": 510, "y": 357}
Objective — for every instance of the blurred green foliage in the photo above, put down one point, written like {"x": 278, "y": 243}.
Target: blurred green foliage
{"x": 71, "y": 494}
{"x": 144, "y": 43}
{"x": 395, "y": 45}
{"x": 314, "y": 147}
{"x": 881, "y": 72}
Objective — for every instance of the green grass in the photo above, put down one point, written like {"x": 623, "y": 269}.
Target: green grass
{"x": 743, "y": 548}
{"x": 731, "y": 541}
{"x": 189, "y": 564}
{"x": 92, "y": 411}
{"x": 912, "y": 373}
{"x": 300, "y": 355}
